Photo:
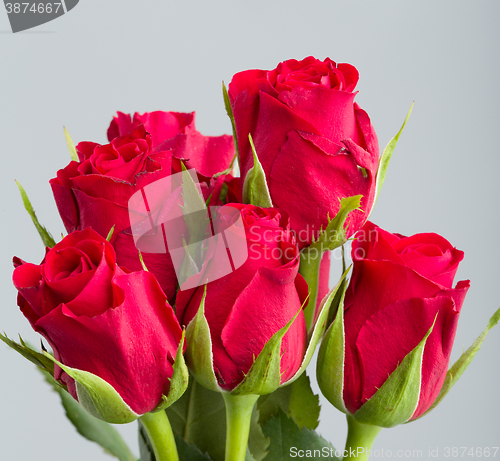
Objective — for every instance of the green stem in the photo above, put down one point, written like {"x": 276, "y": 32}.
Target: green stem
{"x": 238, "y": 416}
{"x": 160, "y": 435}
{"x": 310, "y": 263}
{"x": 360, "y": 438}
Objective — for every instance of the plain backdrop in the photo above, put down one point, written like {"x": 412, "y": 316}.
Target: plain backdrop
{"x": 78, "y": 70}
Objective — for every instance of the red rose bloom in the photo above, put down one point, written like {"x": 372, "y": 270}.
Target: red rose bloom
{"x": 399, "y": 284}
{"x": 95, "y": 191}
{"x": 315, "y": 144}
{"x": 101, "y": 319}
{"x": 247, "y": 307}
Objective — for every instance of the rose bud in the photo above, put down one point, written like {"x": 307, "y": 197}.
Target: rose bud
{"x": 244, "y": 309}
{"x": 384, "y": 359}
{"x": 114, "y": 336}
{"x": 315, "y": 144}
{"x": 95, "y": 191}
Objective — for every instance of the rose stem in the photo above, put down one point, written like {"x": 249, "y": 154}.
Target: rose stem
{"x": 360, "y": 438}
{"x": 309, "y": 269}
{"x": 160, "y": 435}
{"x": 238, "y": 416}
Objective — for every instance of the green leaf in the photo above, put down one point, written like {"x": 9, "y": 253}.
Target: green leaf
{"x": 296, "y": 400}
{"x": 264, "y": 375}
{"x": 255, "y": 190}
{"x": 229, "y": 111}
{"x": 199, "y": 417}
{"x": 463, "y": 362}
{"x": 47, "y": 239}
{"x": 189, "y": 452}
{"x": 199, "y": 349}
{"x": 385, "y": 158}
{"x": 98, "y": 397}
{"x": 287, "y": 439}
{"x": 396, "y": 400}
{"x": 71, "y": 146}
{"x": 179, "y": 381}
{"x": 91, "y": 428}
{"x": 330, "y": 366}
{"x": 146, "y": 450}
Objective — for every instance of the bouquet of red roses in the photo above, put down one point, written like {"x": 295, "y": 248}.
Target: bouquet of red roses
{"x": 192, "y": 298}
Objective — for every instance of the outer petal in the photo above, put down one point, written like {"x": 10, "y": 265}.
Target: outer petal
{"x": 380, "y": 283}
{"x": 437, "y": 350}
{"x": 164, "y": 125}
{"x": 159, "y": 264}
{"x": 394, "y": 331}
{"x": 137, "y": 365}
{"x": 331, "y": 112}
{"x": 63, "y": 195}
{"x": 271, "y": 126}
{"x": 309, "y": 198}
{"x": 255, "y": 317}
{"x": 121, "y": 125}
{"x": 207, "y": 154}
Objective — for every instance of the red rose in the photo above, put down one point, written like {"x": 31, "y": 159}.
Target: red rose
{"x": 100, "y": 319}
{"x": 95, "y": 191}
{"x": 315, "y": 144}
{"x": 175, "y": 131}
{"x": 399, "y": 284}
{"x": 247, "y": 307}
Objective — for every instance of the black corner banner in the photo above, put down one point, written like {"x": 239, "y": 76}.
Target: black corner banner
{"x": 28, "y": 14}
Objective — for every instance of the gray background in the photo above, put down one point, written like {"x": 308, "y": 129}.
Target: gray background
{"x": 172, "y": 55}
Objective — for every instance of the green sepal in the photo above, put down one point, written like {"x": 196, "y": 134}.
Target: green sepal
{"x": 229, "y": 111}
{"x": 463, "y": 362}
{"x": 179, "y": 381}
{"x": 334, "y": 234}
{"x": 319, "y": 326}
{"x": 255, "y": 189}
{"x": 47, "y": 239}
{"x": 98, "y": 397}
{"x": 199, "y": 354}
{"x": 194, "y": 208}
{"x": 397, "y": 399}
{"x": 385, "y": 158}
{"x": 264, "y": 375}
{"x": 331, "y": 356}
{"x": 71, "y": 146}
{"x": 338, "y": 295}
{"x": 39, "y": 359}
{"x": 143, "y": 264}
{"x": 110, "y": 233}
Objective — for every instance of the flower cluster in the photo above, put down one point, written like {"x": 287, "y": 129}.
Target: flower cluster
{"x": 172, "y": 263}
